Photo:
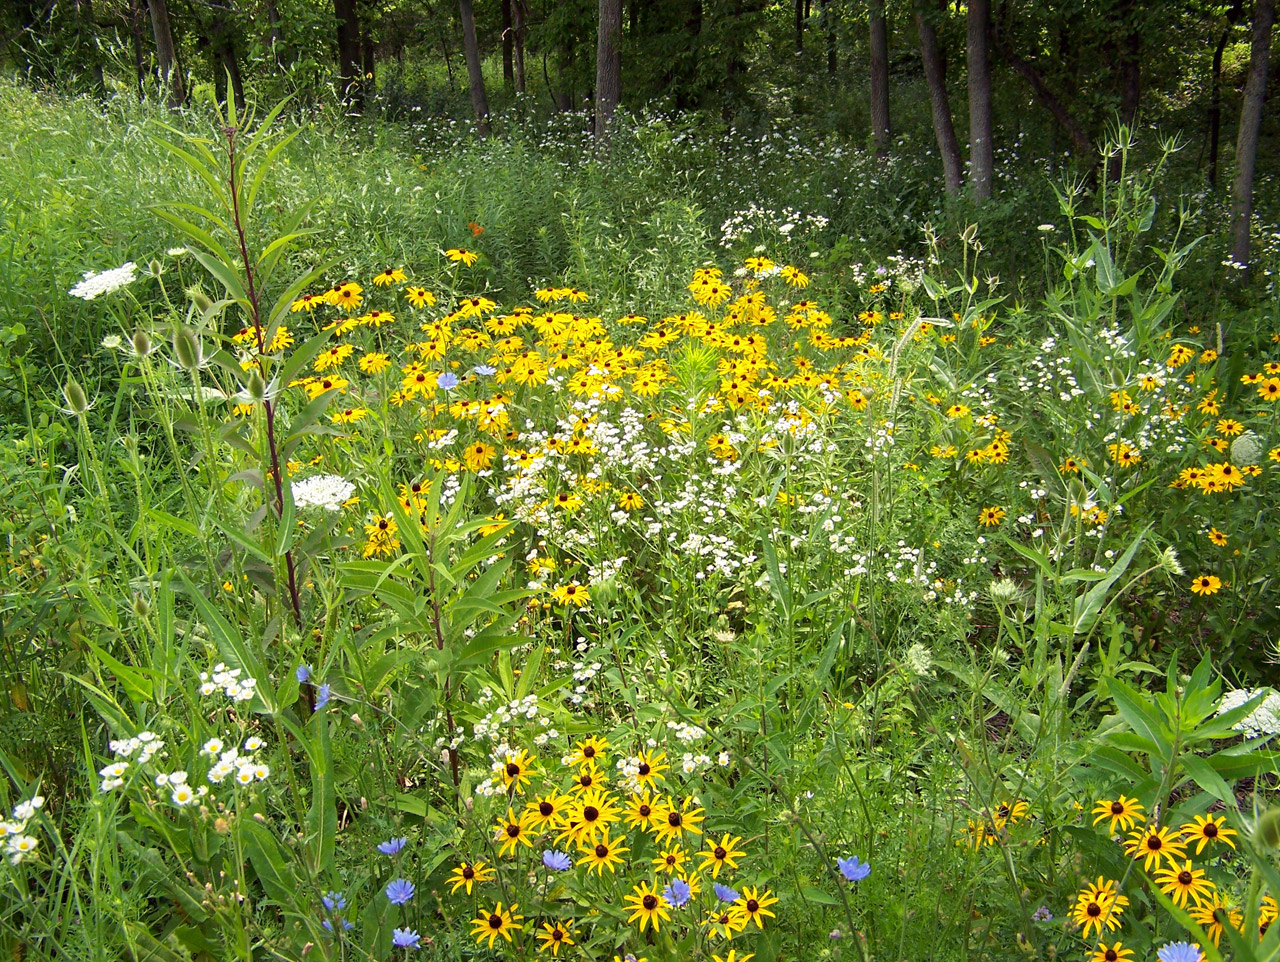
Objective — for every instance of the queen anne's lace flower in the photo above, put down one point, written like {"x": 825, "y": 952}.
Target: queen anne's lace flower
{"x": 1265, "y": 718}
{"x": 327, "y": 491}
{"x": 95, "y": 284}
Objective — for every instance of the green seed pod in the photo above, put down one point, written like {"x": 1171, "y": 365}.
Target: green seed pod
{"x": 141, "y": 607}
{"x": 1004, "y": 592}
{"x": 142, "y": 345}
{"x": 256, "y": 388}
{"x": 1246, "y": 449}
{"x": 199, "y": 299}
{"x": 155, "y": 268}
{"x": 188, "y": 349}
{"x": 77, "y": 400}
{"x": 1268, "y": 830}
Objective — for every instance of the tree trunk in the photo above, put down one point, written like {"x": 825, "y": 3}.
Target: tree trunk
{"x": 475, "y": 76}
{"x": 1255, "y": 90}
{"x": 165, "y": 56}
{"x": 275, "y": 36}
{"x": 935, "y": 75}
{"x": 1215, "y": 108}
{"x": 349, "y": 89}
{"x": 87, "y": 27}
{"x": 829, "y": 21}
{"x": 978, "y": 56}
{"x": 139, "y": 61}
{"x": 608, "y": 66}
{"x": 508, "y": 49}
{"x": 879, "y": 78}
{"x": 799, "y": 27}
{"x": 517, "y": 30}
{"x": 368, "y": 64}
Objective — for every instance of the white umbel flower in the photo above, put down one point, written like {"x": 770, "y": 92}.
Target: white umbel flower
{"x": 95, "y": 284}
{"x": 327, "y": 491}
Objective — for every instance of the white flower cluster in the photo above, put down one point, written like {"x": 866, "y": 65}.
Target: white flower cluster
{"x": 142, "y": 748}
{"x": 228, "y": 681}
{"x": 17, "y": 844}
{"x": 327, "y": 491}
{"x": 241, "y": 762}
{"x": 685, "y": 732}
{"x": 95, "y": 284}
{"x": 1263, "y": 720}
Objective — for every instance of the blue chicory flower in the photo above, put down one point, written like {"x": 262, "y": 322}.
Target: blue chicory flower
{"x": 392, "y": 845}
{"x": 302, "y": 673}
{"x": 447, "y": 381}
{"x": 556, "y": 861}
{"x": 1042, "y": 914}
{"x": 1180, "y": 952}
{"x": 346, "y": 926}
{"x": 677, "y": 893}
{"x": 334, "y": 901}
{"x": 322, "y": 696}
{"x": 725, "y": 894}
{"x": 852, "y": 869}
{"x": 399, "y": 891}
{"x": 484, "y": 370}
{"x": 405, "y": 938}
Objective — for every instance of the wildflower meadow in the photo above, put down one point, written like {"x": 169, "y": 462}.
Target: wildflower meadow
{"x": 711, "y": 543}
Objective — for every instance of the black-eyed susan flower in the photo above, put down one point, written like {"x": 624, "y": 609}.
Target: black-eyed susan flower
{"x": 587, "y": 779}
{"x": 646, "y": 907}
{"x": 512, "y": 832}
{"x": 374, "y": 362}
{"x": 733, "y": 956}
{"x": 517, "y": 770}
{"x": 307, "y": 302}
{"x": 1269, "y": 390}
{"x": 490, "y": 925}
{"x": 670, "y": 860}
{"x": 720, "y": 854}
{"x": 548, "y": 811}
{"x": 753, "y": 906}
{"x": 1122, "y": 811}
{"x": 603, "y": 853}
{"x": 649, "y": 768}
{"x": 1183, "y": 882}
{"x": 419, "y": 296}
{"x": 554, "y": 936}
{"x": 1098, "y": 906}
{"x": 630, "y": 501}
{"x": 990, "y": 517}
{"x": 1155, "y": 846}
{"x": 723, "y": 923}
{"x": 589, "y": 751}
{"x": 1115, "y": 952}
{"x": 1206, "y": 830}
{"x": 588, "y": 816}
{"x": 468, "y": 874}
{"x": 641, "y": 810}
{"x": 1214, "y": 913}
{"x": 392, "y": 275}
{"x": 1009, "y": 812}
{"x": 460, "y": 255}
{"x": 572, "y": 594}
{"x": 1206, "y": 584}
{"x": 674, "y": 821}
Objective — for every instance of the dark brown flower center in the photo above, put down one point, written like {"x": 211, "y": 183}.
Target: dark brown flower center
{"x": 1184, "y": 877}
{"x": 1110, "y": 955}
{"x": 719, "y": 853}
{"x": 1210, "y": 830}
{"x": 645, "y": 811}
{"x": 602, "y": 851}
{"x": 753, "y": 906}
{"x": 513, "y": 831}
{"x": 1094, "y": 910}
{"x": 513, "y": 770}
{"x": 1117, "y": 808}
{"x": 588, "y": 752}
{"x": 586, "y": 780}
{"x": 557, "y": 935}
{"x": 1154, "y": 843}
{"x": 468, "y": 873}
{"x": 644, "y": 769}
{"x": 674, "y": 819}
{"x": 590, "y": 813}
{"x": 546, "y": 809}
{"x": 650, "y": 902}
{"x": 495, "y": 922}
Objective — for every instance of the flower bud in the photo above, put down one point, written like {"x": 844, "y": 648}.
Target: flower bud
{"x": 77, "y": 400}
{"x": 256, "y": 388}
{"x": 1004, "y": 592}
{"x": 142, "y": 345}
{"x": 199, "y": 299}
{"x": 141, "y": 607}
{"x": 1268, "y": 831}
{"x": 188, "y": 349}
{"x": 155, "y": 268}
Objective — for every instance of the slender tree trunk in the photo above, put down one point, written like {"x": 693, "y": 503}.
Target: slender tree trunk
{"x": 517, "y": 29}
{"x": 475, "y": 76}
{"x": 879, "y": 78}
{"x": 368, "y": 63}
{"x": 349, "y": 89}
{"x": 139, "y": 61}
{"x": 1215, "y": 108}
{"x": 1255, "y": 91}
{"x": 799, "y": 27}
{"x": 165, "y": 56}
{"x": 275, "y": 35}
{"x": 978, "y": 55}
{"x": 935, "y": 76}
{"x": 508, "y": 49}
{"x": 608, "y": 66}
{"x": 87, "y": 26}
{"x": 829, "y": 21}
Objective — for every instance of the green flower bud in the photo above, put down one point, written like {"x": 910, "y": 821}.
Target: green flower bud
{"x": 1268, "y": 830}
{"x": 199, "y": 299}
{"x": 142, "y": 345}
{"x": 77, "y": 400}
{"x": 256, "y": 388}
{"x": 188, "y": 349}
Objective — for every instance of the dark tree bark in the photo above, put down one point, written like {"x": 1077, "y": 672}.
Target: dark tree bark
{"x": 1050, "y": 101}
{"x": 1128, "y": 72}
{"x": 87, "y": 26}
{"x": 368, "y": 63}
{"x": 518, "y": 17}
{"x": 608, "y": 65}
{"x": 275, "y": 34}
{"x": 170, "y": 76}
{"x": 475, "y": 76}
{"x": 829, "y": 21}
{"x": 139, "y": 60}
{"x": 799, "y": 27}
{"x": 349, "y": 88}
{"x": 978, "y": 57}
{"x": 224, "y": 60}
{"x": 879, "y": 78}
{"x": 508, "y": 48}
{"x": 1255, "y": 91}
{"x": 1215, "y": 108}
{"x": 935, "y": 76}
